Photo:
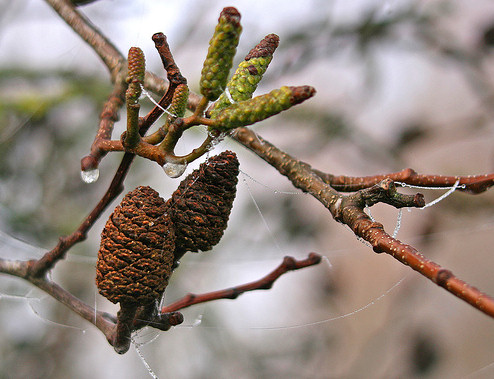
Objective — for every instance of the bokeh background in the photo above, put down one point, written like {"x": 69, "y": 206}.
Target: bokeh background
{"x": 400, "y": 84}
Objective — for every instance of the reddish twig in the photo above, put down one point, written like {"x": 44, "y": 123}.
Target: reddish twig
{"x": 373, "y": 232}
{"x": 108, "y": 117}
{"x": 48, "y": 261}
{"x": 349, "y": 210}
{"x": 174, "y": 78}
{"x": 474, "y": 184}
{"x": 288, "y": 264}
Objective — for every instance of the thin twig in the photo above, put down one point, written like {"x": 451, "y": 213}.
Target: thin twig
{"x": 47, "y": 262}
{"x": 21, "y": 270}
{"x": 110, "y": 55}
{"x": 474, "y": 184}
{"x": 265, "y": 283}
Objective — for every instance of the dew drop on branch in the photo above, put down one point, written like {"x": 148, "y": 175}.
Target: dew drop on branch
{"x": 90, "y": 176}
{"x": 174, "y": 170}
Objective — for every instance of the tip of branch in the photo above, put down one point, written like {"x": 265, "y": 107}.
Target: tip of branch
{"x": 231, "y": 14}
{"x": 419, "y": 200}
{"x": 314, "y": 258}
{"x": 479, "y": 186}
{"x": 89, "y": 163}
{"x": 265, "y": 48}
{"x": 301, "y": 93}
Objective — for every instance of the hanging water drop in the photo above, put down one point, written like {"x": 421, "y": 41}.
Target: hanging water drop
{"x": 90, "y": 176}
{"x": 174, "y": 170}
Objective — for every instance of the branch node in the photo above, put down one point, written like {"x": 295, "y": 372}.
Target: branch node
{"x": 442, "y": 277}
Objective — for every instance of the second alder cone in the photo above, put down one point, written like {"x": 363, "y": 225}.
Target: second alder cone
{"x": 144, "y": 237}
{"x": 201, "y": 205}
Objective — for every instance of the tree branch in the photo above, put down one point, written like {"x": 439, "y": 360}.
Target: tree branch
{"x": 39, "y": 267}
{"x": 349, "y": 210}
{"x": 473, "y": 184}
{"x": 265, "y": 283}
{"x": 109, "y": 54}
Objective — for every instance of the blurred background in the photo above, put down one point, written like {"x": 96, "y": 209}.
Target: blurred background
{"x": 400, "y": 84}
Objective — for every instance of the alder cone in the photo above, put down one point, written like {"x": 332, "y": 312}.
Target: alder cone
{"x": 136, "y": 253}
{"x": 201, "y": 205}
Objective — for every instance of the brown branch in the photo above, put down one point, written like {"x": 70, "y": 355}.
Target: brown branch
{"x": 21, "y": 270}
{"x": 173, "y": 75}
{"x": 109, "y": 54}
{"x": 349, "y": 210}
{"x": 265, "y": 283}
{"x": 473, "y": 184}
{"x": 39, "y": 267}
{"x": 381, "y": 241}
{"x": 108, "y": 117}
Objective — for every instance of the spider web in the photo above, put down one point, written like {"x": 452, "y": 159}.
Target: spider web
{"x": 150, "y": 339}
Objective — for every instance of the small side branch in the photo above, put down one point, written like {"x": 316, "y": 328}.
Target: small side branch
{"x": 39, "y": 267}
{"x": 108, "y": 117}
{"x": 174, "y": 78}
{"x": 265, "y": 283}
{"x": 473, "y": 184}
{"x": 110, "y": 55}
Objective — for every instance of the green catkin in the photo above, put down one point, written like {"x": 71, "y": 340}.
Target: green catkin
{"x": 222, "y": 48}
{"x": 136, "y": 72}
{"x": 249, "y": 73}
{"x": 259, "y": 108}
{"x": 136, "y": 64}
{"x": 179, "y": 101}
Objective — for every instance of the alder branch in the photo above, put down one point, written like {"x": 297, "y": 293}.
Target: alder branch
{"x": 349, "y": 210}
{"x": 265, "y": 283}
{"x": 39, "y": 267}
{"x": 22, "y": 270}
{"x": 106, "y": 323}
{"x": 473, "y": 184}
{"x": 116, "y": 330}
{"x": 108, "y": 53}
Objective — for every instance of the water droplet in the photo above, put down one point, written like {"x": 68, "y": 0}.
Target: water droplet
{"x": 174, "y": 170}
{"x": 197, "y": 321}
{"x": 90, "y": 176}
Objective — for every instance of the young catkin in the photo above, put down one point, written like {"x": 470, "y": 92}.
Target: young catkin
{"x": 261, "y": 107}
{"x": 248, "y": 74}
{"x": 222, "y": 48}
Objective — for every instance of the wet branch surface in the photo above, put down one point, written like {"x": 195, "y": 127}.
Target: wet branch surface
{"x": 326, "y": 188}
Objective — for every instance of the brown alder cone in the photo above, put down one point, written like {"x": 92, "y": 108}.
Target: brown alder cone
{"x": 136, "y": 252}
{"x": 201, "y": 205}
